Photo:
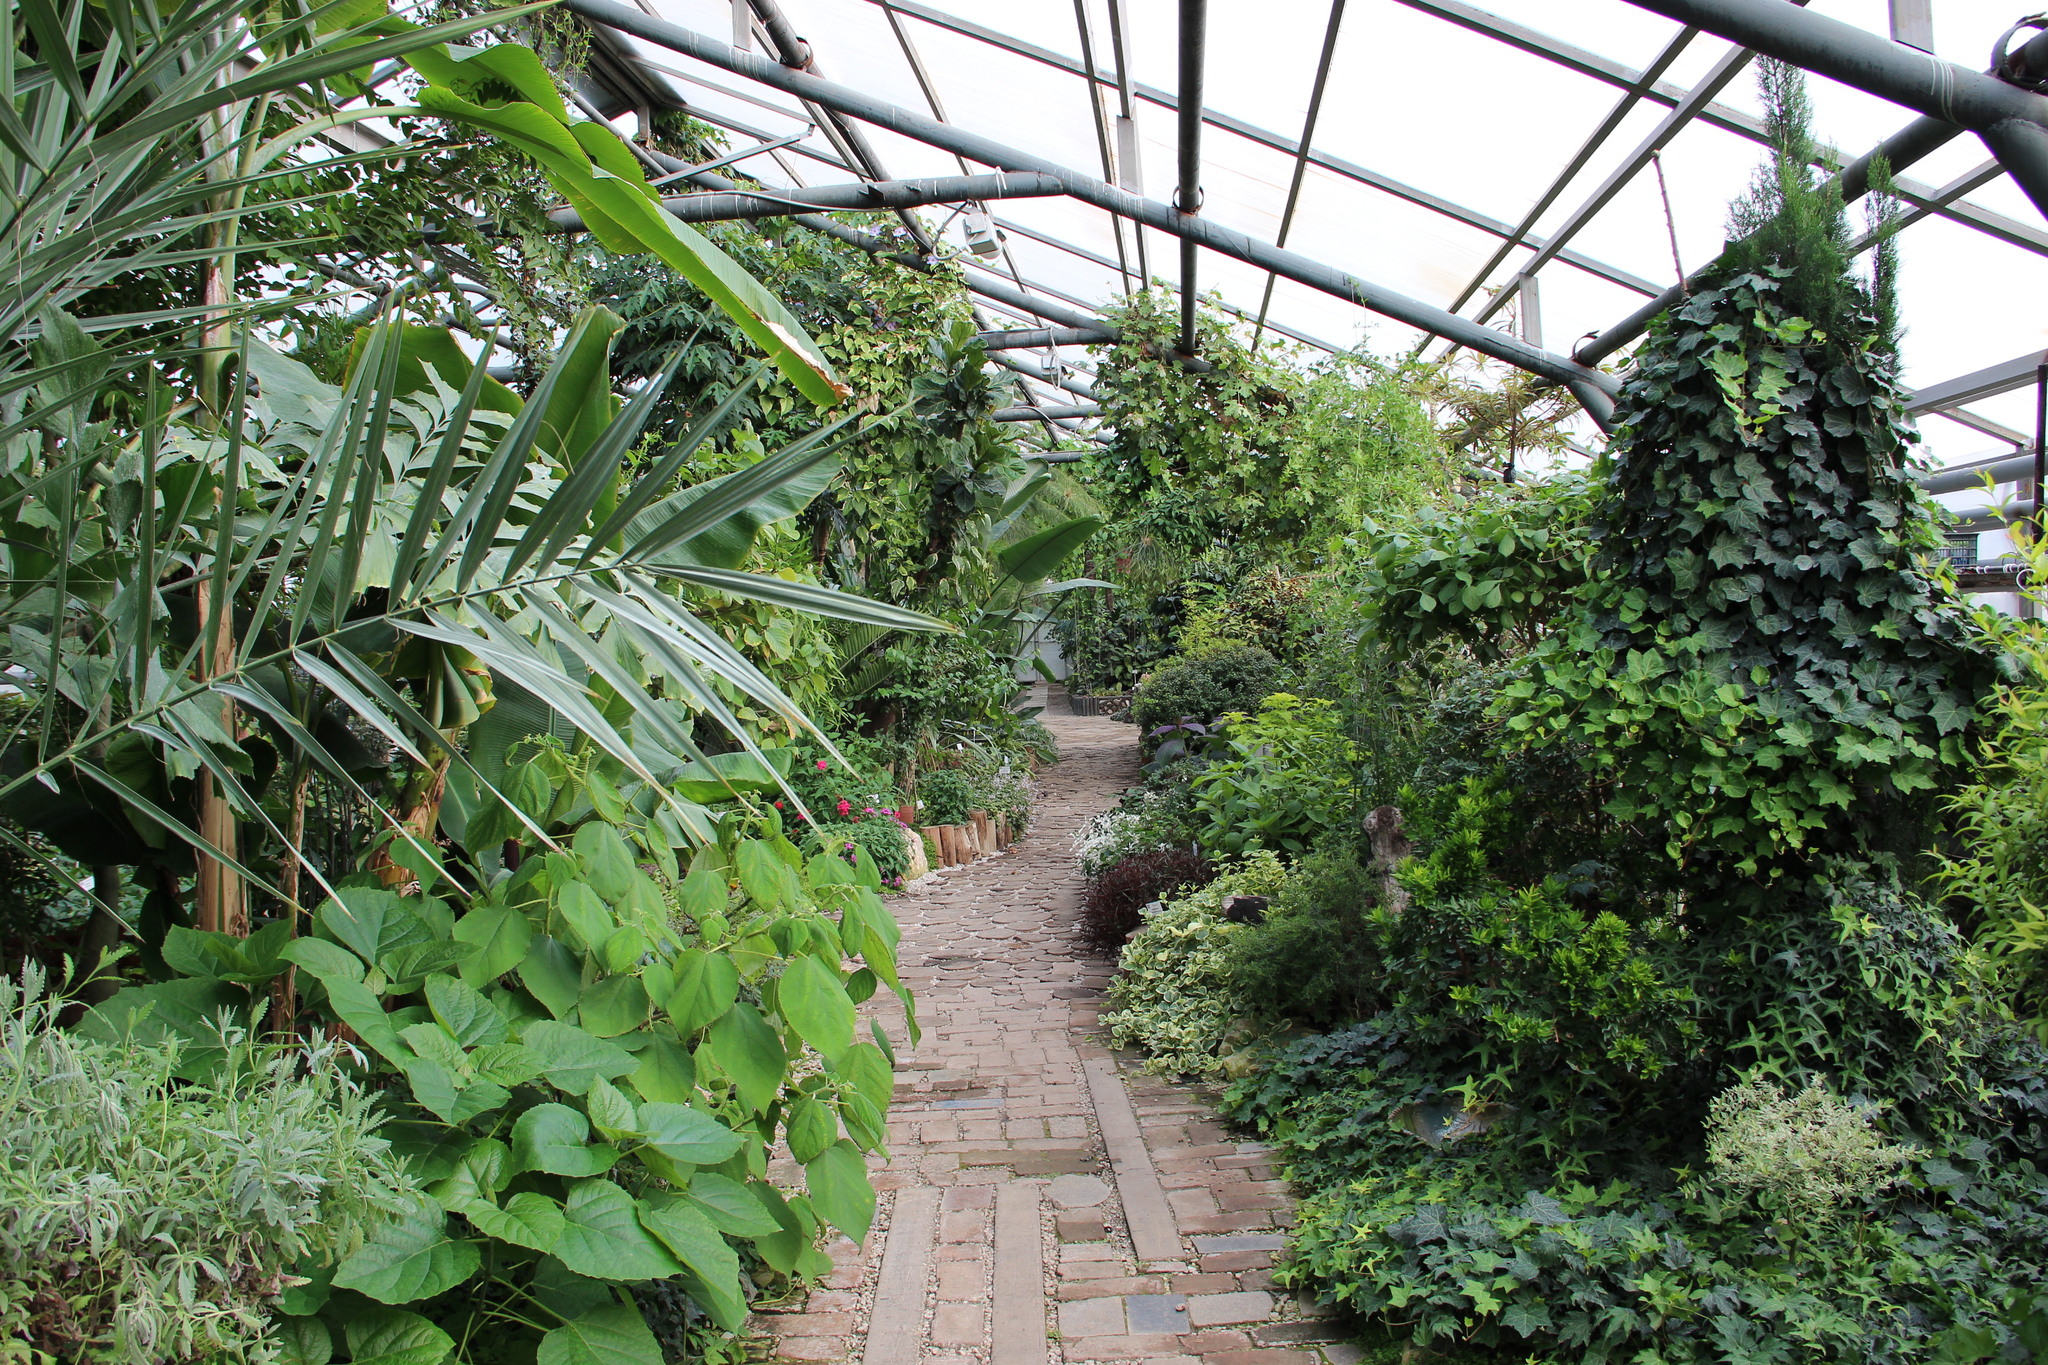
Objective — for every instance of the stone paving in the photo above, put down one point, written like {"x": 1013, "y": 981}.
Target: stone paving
{"x": 1044, "y": 1201}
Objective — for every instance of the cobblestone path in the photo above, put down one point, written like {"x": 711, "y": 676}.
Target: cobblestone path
{"x": 1045, "y": 1201}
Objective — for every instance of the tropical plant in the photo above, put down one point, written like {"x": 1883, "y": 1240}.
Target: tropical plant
{"x": 1247, "y": 448}
{"x": 592, "y": 1056}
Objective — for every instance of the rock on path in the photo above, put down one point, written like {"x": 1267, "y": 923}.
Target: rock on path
{"x": 1045, "y": 1203}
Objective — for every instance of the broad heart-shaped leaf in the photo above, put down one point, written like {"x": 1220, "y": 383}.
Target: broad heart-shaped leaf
{"x": 612, "y": 1335}
{"x": 530, "y": 1220}
{"x": 371, "y": 921}
{"x": 506, "y": 1063}
{"x": 586, "y": 914}
{"x": 681, "y": 1133}
{"x": 551, "y": 972}
{"x": 304, "y": 1341}
{"x": 684, "y": 1230}
{"x": 706, "y": 986}
{"x": 556, "y": 1139}
{"x": 814, "y": 1002}
{"x": 409, "y": 1258}
{"x": 323, "y": 960}
{"x": 764, "y": 876}
{"x": 731, "y": 1206}
{"x": 868, "y": 1068}
{"x": 750, "y": 1053}
{"x": 667, "y": 1073}
{"x": 809, "y": 1128}
{"x": 607, "y": 862}
{"x": 415, "y": 960}
{"x": 386, "y": 1336}
{"x": 245, "y": 961}
{"x": 473, "y": 1020}
{"x": 837, "y": 1179}
{"x": 501, "y": 935}
{"x": 187, "y": 1012}
{"x": 611, "y": 1112}
{"x": 602, "y": 1237}
{"x": 480, "y": 1173}
{"x": 572, "y": 1058}
{"x": 612, "y": 1006}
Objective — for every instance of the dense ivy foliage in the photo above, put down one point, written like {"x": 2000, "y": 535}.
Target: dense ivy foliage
{"x": 1251, "y": 448}
{"x": 1762, "y": 645}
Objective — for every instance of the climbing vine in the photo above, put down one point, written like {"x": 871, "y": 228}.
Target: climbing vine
{"x": 1763, "y": 655}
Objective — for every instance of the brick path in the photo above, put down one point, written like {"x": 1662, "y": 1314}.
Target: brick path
{"x": 1045, "y": 1201}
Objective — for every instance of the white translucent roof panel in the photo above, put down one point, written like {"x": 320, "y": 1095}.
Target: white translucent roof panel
{"x": 1425, "y": 100}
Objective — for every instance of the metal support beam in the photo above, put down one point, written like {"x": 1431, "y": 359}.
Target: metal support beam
{"x": 1038, "y": 338}
{"x": 1187, "y": 197}
{"x": 1079, "y": 387}
{"x": 1266, "y": 138}
{"x": 1041, "y": 414}
{"x": 1999, "y": 112}
{"x": 1593, "y": 386}
{"x": 1988, "y": 382}
{"x": 865, "y": 196}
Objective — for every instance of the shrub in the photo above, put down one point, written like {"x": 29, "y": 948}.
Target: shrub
{"x": 1289, "y": 777}
{"x": 1205, "y": 686}
{"x": 1809, "y": 1153}
{"x": 155, "y": 1198}
{"x": 1172, "y": 998}
{"x": 1116, "y": 895}
{"x": 1314, "y": 958}
{"x": 881, "y": 838}
{"x": 945, "y": 796}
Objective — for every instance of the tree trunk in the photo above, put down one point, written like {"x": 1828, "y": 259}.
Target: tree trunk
{"x": 219, "y": 902}
{"x": 418, "y": 816}
{"x": 1390, "y": 848}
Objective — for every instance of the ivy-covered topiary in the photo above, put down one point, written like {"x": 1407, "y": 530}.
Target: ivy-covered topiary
{"x": 1763, "y": 656}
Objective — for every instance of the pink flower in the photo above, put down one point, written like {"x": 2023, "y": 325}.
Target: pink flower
{"x": 778, "y": 805}
{"x": 821, "y": 765}
{"x": 844, "y": 805}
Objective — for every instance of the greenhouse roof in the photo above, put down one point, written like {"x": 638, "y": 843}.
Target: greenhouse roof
{"x": 1538, "y": 168}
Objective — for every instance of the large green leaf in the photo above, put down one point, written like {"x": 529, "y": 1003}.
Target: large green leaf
{"x": 743, "y": 1047}
{"x": 602, "y": 1236}
{"x": 612, "y": 1335}
{"x": 373, "y": 922}
{"x": 556, "y": 1139}
{"x": 837, "y": 1179}
{"x": 684, "y": 1230}
{"x": 1037, "y": 556}
{"x": 572, "y": 1058}
{"x": 685, "y": 1134}
{"x": 385, "y": 1336}
{"x": 529, "y": 1220}
{"x": 814, "y": 1001}
{"x": 188, "y": 1013}
{"x": 412, "y": 1257}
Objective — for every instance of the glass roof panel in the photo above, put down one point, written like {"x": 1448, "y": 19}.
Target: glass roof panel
{"x": 1480, "y": 108}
